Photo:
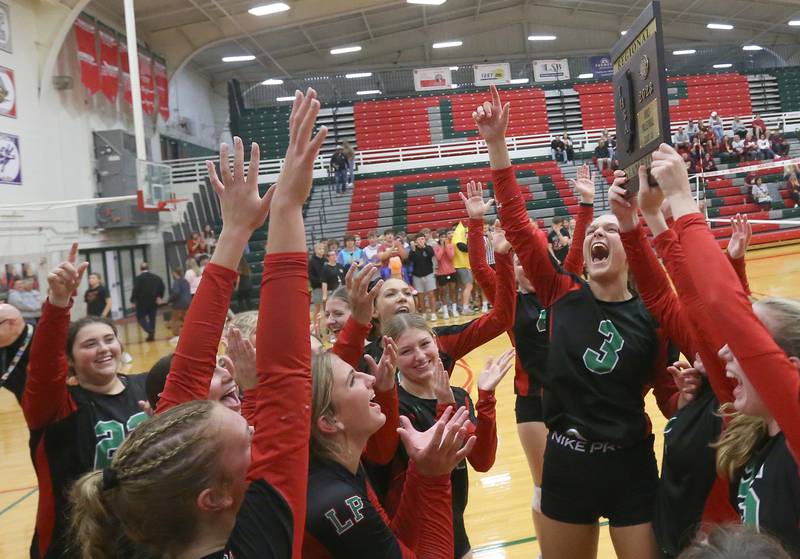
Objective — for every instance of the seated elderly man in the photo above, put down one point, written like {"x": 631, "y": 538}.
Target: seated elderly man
{"x": 681, "y": 139}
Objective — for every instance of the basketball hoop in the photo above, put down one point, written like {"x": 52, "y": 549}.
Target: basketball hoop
{"x": 154, "y": 182}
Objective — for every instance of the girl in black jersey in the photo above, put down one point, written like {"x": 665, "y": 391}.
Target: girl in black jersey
{"x": 605, "y": 354}
{"x": 73, "y": 428}
{"x": 196, "y": 481}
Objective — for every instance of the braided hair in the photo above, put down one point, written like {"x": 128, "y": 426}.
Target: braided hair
{"x": 150, "y": 490}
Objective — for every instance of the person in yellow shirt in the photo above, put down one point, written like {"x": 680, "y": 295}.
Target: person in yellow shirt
{"x": 463, "y": 271}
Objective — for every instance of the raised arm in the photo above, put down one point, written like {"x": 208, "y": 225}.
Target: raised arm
{"x": 349, "y": 344}
{"x": 737, "y": 247}
{"x": 529, "y": 243}
{"x": 483, "y": 455}
{"x": 283, "y": 356}
{"x": 584, "y": 186}
{"x": 46, "y": 399}
{"x": 476, "y": 209}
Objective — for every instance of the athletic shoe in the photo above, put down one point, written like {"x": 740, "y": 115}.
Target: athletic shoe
{"x": 174, "y": 340}
{"x": 445, "y": 314}
{"x": 467, "y": 311}
{"x": 434, "y": 318}
{"x": 455, "y": 310}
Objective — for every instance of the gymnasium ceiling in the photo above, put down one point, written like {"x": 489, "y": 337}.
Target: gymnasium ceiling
{"x": 395, "y": 34}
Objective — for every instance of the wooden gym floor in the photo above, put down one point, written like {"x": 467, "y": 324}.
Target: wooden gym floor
{"x": 498, "y": 516}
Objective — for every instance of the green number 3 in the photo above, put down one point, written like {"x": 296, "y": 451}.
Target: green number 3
{"x": 110, "y": 435}
{"x": 604, "y": 361}
{"x": 541, "y": 323}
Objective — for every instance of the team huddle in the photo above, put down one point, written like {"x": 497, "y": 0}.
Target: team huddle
{"x": 279, "y": 447}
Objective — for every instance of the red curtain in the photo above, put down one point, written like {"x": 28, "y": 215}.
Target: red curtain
{"x": 126, "y": 73}
{"x": 87, "y": 54}
{"x": 109, "y": 65}
{"x": 162, "y": 87}
{"x": 146, "y": 81}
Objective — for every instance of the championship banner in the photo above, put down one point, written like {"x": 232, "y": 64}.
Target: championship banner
{"x": 109, "y": 65}
{"x": 10, "y": 165}
{"x": 492, "y": 74}
{"x": 8, "y": 93}
{"x": 126, "y": 72}
{"x": 162, "y": 87}
{"x": 427, "y": 79}
{"x": 641, "y": 104}
{"x": 146, "y": 81}
{"x": 550, "y": 70}
{"x": 602, "y": 66}
{"x": 87, "y": 53}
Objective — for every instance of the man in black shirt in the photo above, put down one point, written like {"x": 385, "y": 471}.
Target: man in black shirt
{"x": 315, "y": 266}
{"x": 558, "y": 240}
{"x": 148, "y": 291}
{"x": 15, "y": 345}
{"x": 421, "y": 259}
{"x": 98, "y": 300}
{"x": 332, "y": 275}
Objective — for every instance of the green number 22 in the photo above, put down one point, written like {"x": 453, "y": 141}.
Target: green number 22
{"x": 604, "y": 361}
{"x": 110, "y": 435}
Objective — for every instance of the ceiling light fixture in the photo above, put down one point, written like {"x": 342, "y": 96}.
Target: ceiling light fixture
{"x": 284, "y": 98}
{"x": 623, "y": 33}
{"x": 427, "y": 2}
{"x": 267, "y": 9}
{"x": 542, "y": 37}
{"x": 453, "y": 68}
{"x": 358, "y": 75}
{"x": 720, "y": 66}
{"x": 585, "y": 76}
{"x": 720, "y": 26}
{"x": 447, "y": 44}
{"x": 519, "y": 80}
{"x": 369, "y": 92}
{"x": 272, "y": 81}
{"x": 795, "y": 23}
{"x": 686, "y": 51}
{"x": 752, "y": 47}
{"x": 240, "y": 58}
{"x": 345, "y": 50}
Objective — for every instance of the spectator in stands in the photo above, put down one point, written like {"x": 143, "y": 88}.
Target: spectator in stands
{"x": 389, "y": 249}
{"x": 316, "y": 262}
{"x": 750, "y": 147}
{"x": 737, "y": 147}
{"x": 737, "y": 127}
{"x": 708, "y": 164}
{"x": 196, "y": 245}
{"x": 446, "y": 273}
{"x": 692, "y": 129}
{"x": 681, "y": 139}
{"x": 333, "y": 244}
{"x": 350, "y": 255}
{"x": 697, "y": 152}
{"x": 421, "y": 258}
{"x": 332, "y": 275}
{"x": 778, "y": 143}
{"x": 558, "y": 239}
{"x": 716, "y": 126}
{"x": 708, "y": 139}
{"x": 28, "y": 273}
{"x": 210, "y": 238}
{"x": 180, "y": 296}
{"x": 147, "y": 295}
{"x": 97, "y": 297}
{"x": 758, "y": 125}
{"x": 463, "y": 269}
{"x": 557, "y": 150}
{"x": 612, "y": 146}
{"x": 761, "y": 194}
{"x": 793, "y": 185}
{"x": 193, "y": 275}
{"x": 764, "y": 147}
{"x": 603, "y": 155}
{"x": 360, "y": 243}
{"x": 350, "y": 155}
{"x": 568, "y": 147}
{"x": 371, "y": 250}
{"x": 27, "y": 300}
{"x": 339, "y": 169}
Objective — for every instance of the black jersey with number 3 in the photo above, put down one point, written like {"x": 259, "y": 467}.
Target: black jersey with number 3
{"x": 767, "y": 494}
{"x": 532, "y": 342}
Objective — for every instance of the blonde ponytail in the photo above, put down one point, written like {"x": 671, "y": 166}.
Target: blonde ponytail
{"x": 738, "y": 441}
{"x": 94, "y": 527}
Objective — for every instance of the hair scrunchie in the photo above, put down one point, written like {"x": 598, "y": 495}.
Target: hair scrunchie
{"x": 110, "y": 479}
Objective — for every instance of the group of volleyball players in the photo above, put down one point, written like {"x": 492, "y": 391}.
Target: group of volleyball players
{"x": 281, "y": 448}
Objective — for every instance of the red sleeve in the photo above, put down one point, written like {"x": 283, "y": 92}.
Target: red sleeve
{"x": 767, "y": 366}
{"x": 573, "y": 263}
{"x": 382, "y": 445}
{"x": 349, "y": 344}
{"x": 671, "y": 252}
{"x": 481, "y": 270}
{"x": 196, "y": 355}
{"x": 483, "y": 453}
{"x": 283, "y": 403}
{"x": 740, "y": 268}
{"x": 664, "y": 388}
{"x": 530, "y": 244}
{"x": 718, "y": 508}
{"x": 655, "y": 290}
{"x": 249, "y": 406}
{"x": 46, "y": 399}
{"x": 462, "y": 340}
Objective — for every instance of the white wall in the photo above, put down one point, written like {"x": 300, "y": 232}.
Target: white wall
{"x": 55, "y": 130}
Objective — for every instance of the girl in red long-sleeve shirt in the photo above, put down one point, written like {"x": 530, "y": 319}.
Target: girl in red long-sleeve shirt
{"x": 196, "y": 481}
{"x": 759, "y": 345}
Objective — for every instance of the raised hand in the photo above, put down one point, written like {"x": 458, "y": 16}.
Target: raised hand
{"x": 473, "y": 201}
{"x": 494, "y": 371}
{"x": 651, "y": 198}
{"x": 239, "y": 201}
{"x": 438, "y": 450}
{"x": 669, "y": 170}
{"x": 492, "y": 118}
{"x": 499, "y": 241}
{"x": 623, "y": 208}
{"x": 441, "y": 384}
{"x": 583, "y": 183}
{"x": 362, "y": 299}
{"x": 294, "y": 182}
{"x": 740, "y": 238}
{"x": 384, "y": 371}
{"x": 688, "y": 380}
{"x": 243, "y": 355}
{"x": 65, "y": 278}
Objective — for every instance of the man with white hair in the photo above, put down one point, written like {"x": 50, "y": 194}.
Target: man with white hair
{"x": 15, "y": 346}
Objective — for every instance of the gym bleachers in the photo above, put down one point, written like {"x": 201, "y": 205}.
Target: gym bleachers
{"x": 434, "y": 119}
{"x": 696, "y": 97}
{"x": 789, "y": 87}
